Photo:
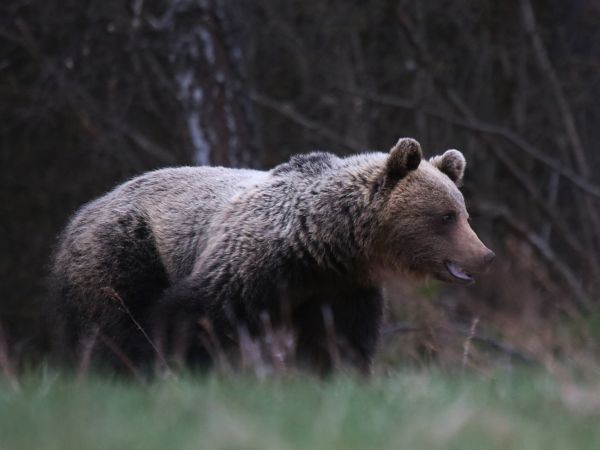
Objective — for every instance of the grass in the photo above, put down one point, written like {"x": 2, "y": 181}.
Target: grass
{"x": 407, "y": 410}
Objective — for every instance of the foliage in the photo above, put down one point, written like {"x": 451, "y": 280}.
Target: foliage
{"x": 526, "y": 410}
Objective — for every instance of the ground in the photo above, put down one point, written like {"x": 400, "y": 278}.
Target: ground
{"x": 407, "y": 410}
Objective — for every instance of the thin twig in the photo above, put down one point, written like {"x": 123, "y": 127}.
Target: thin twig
{"x": 332, "y": 344}
{"x": 467, "y": 343}
{"x": 115, "y": 296}
{"x": 212, "y": 344}
{"x": 87, "y": 350}
{"x": 399, "y": 328}
{"x": 6, "y": 363}
{"x": 129, "y": 365}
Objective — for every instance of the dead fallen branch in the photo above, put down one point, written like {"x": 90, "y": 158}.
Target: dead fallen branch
{"x": 467, "y": 332}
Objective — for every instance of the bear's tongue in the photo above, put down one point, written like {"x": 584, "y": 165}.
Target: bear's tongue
{"x": 457, "y": 272}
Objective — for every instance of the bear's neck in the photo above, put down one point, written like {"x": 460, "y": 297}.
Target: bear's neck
{"x": 334, "y": 222}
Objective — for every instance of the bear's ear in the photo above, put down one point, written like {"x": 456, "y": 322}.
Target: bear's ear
{"x": 404, "y": 157}
{"x": 452, "y": 163}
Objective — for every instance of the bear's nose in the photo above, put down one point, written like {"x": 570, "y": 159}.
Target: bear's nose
{"x": 489, "y": 257}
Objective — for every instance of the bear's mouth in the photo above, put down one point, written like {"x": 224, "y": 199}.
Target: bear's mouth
{"x": 457, "y": 272}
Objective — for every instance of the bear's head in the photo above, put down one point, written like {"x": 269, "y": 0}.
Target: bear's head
{"x": 424, "y": 222}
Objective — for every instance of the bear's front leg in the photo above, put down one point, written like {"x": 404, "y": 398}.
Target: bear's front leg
{"x": 357, "y": 323}
{"x": 340, "y": 329}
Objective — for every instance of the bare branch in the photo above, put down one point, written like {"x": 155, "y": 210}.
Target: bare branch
{"x": 288, "y": 111}
{"x": 547, "y": 68}
{"x": 476, "y": 125}
{"x": 541, "y": 246}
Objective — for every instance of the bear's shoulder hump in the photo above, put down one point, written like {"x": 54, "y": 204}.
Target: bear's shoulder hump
{"x": 312, "y": 163}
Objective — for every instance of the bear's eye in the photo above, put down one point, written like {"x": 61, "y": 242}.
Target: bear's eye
{"x": 448, "y": 218}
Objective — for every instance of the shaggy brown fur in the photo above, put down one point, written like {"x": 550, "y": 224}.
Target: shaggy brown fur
{"x": 318, "y": 233}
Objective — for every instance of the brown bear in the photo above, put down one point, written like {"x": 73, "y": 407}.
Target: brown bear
{"x": 210, "y": 254}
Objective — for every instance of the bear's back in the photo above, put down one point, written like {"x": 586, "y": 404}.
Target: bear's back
{"x": 180, "y": 204}
{"x": 172, "y": 207}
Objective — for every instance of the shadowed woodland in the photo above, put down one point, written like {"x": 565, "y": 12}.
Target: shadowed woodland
{"x": 93, "y": 92}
